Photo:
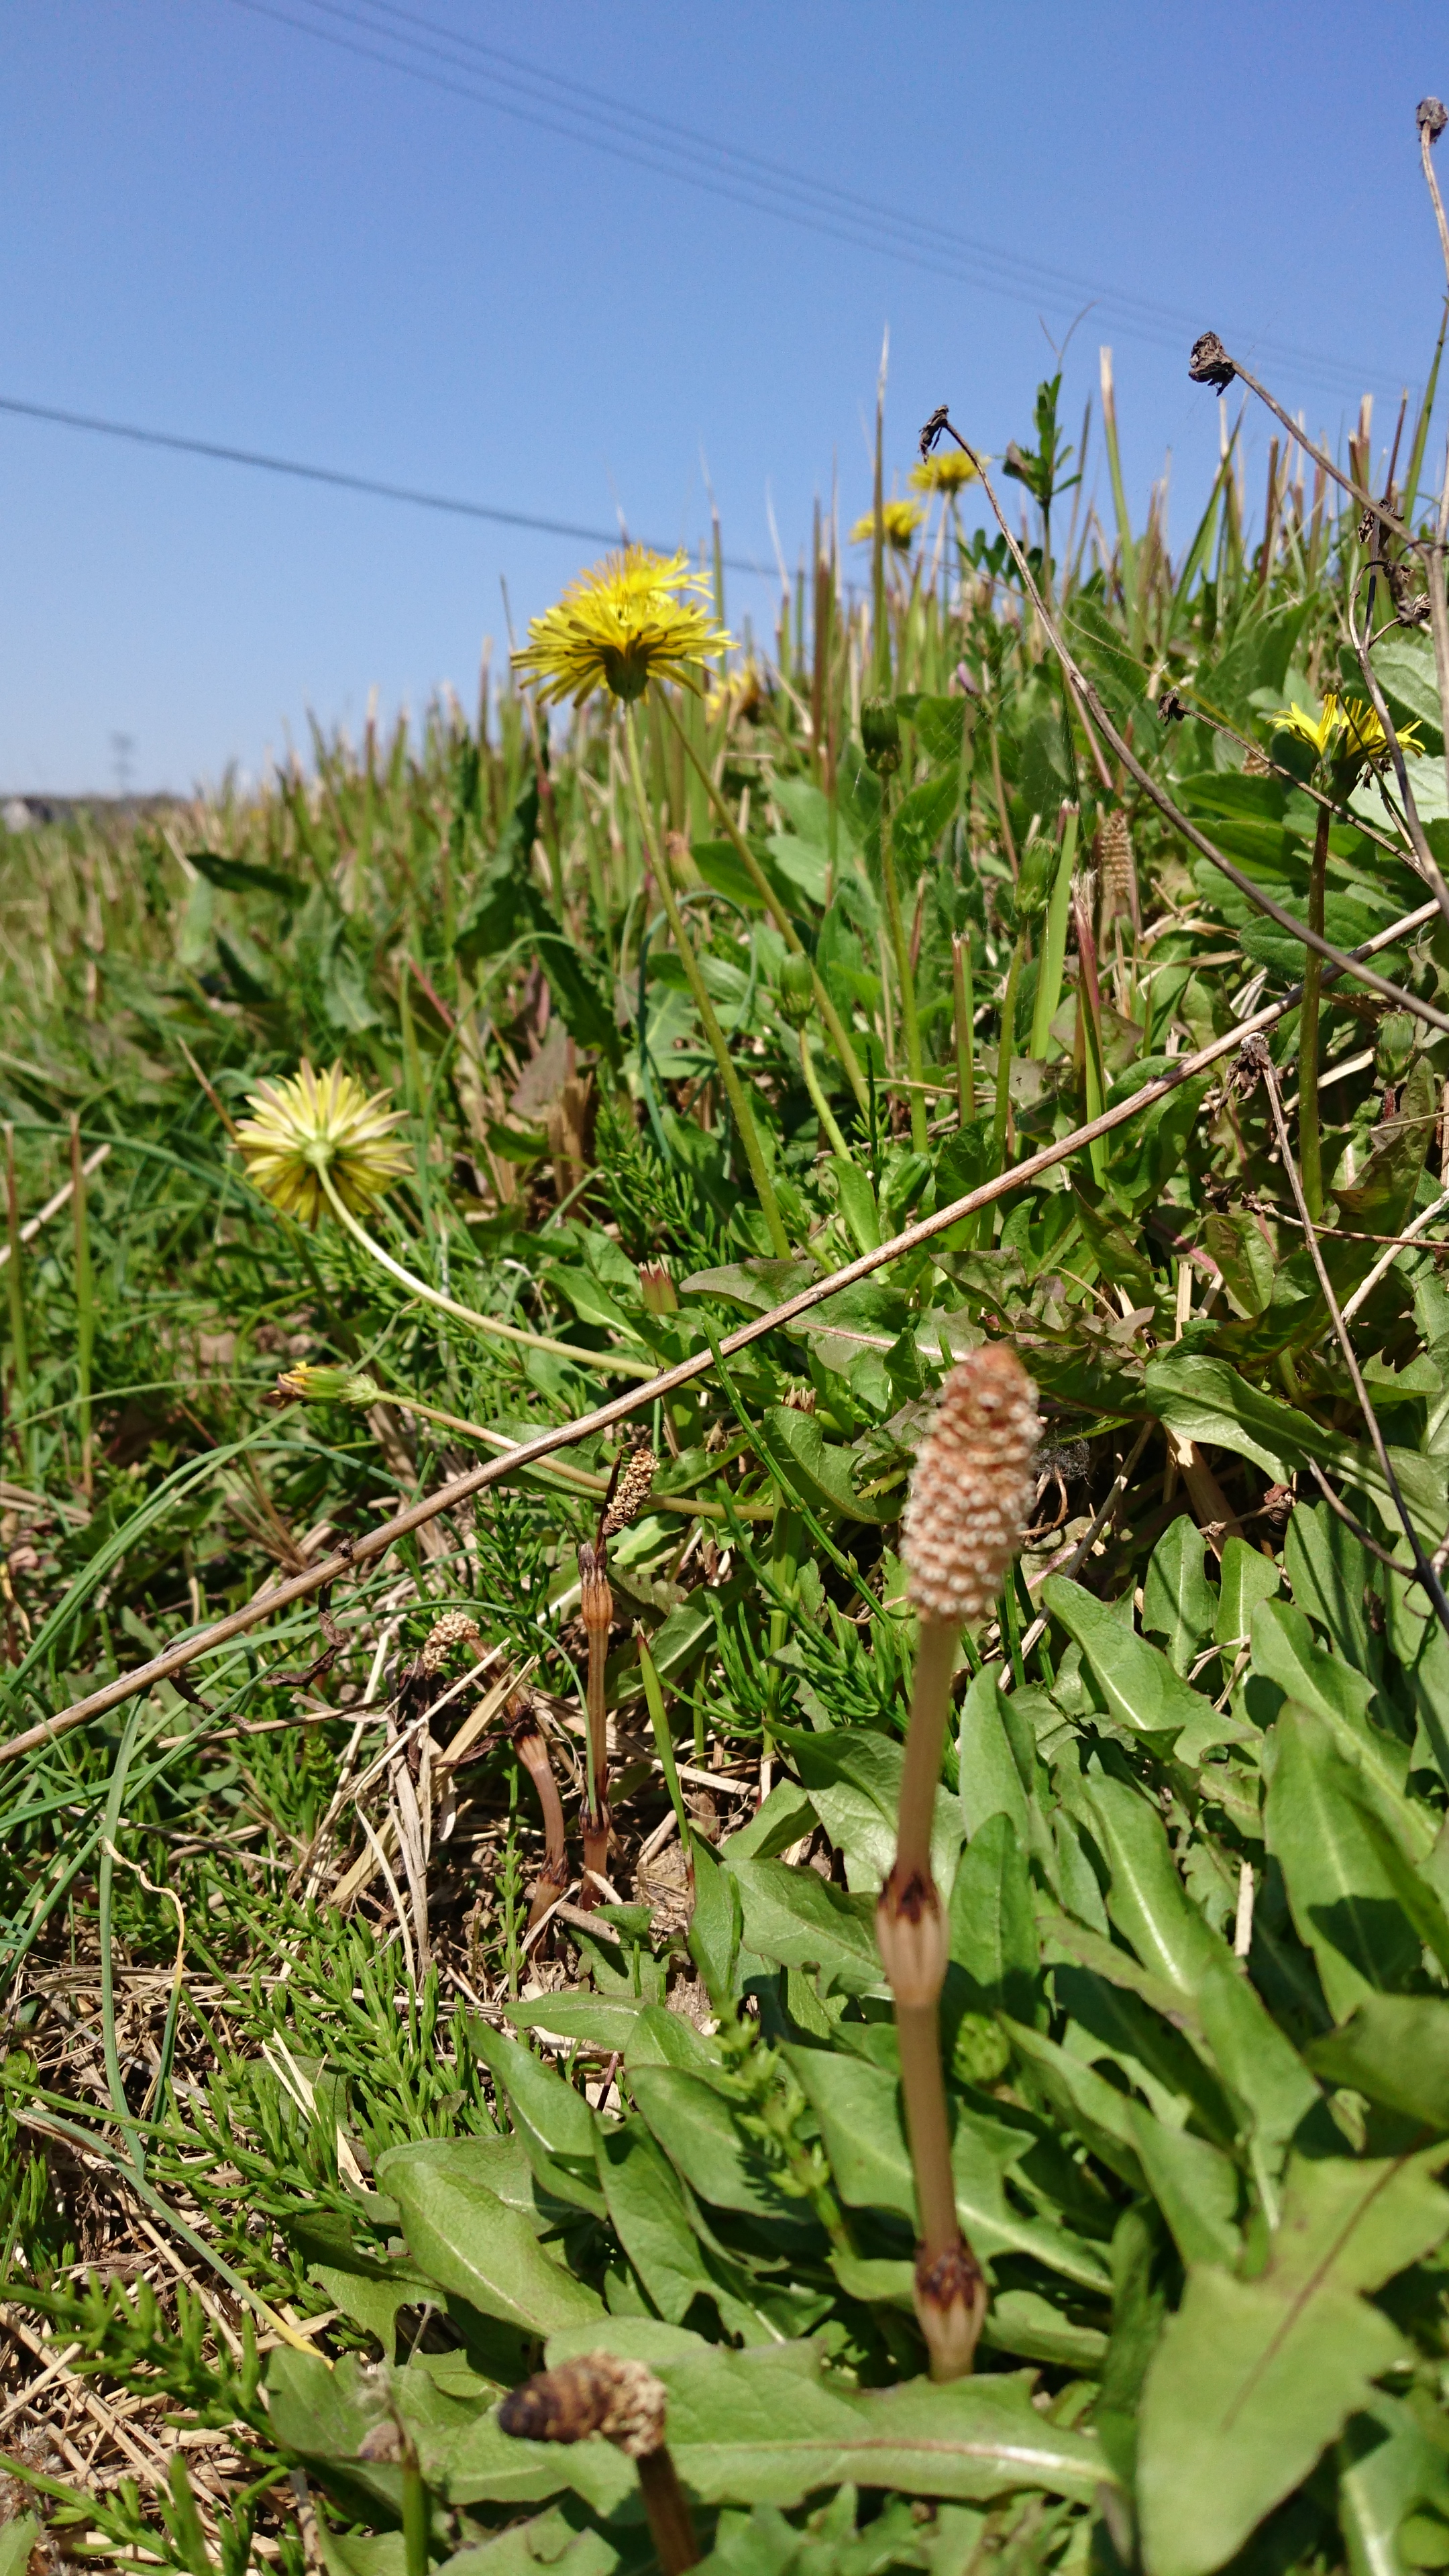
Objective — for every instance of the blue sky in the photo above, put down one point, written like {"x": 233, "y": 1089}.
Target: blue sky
{"x": 217, "y": 220}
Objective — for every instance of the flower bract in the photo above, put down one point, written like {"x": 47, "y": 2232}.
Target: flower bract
{"x": 625, "y": 622}
{"x": 310, "y": 1123}
{"x": 901, "y": 520}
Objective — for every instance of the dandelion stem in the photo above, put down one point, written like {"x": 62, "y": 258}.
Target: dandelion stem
{"x": 19, "y": 1344}
{"x": 609, "y": 1363}
{"x": 965, "y": 1027}
{"x": 1006, "y": 1048}
{"x": 818, "y": 1101}
{"x": 909, "y": 1023}
{"x": 839, "y": 1038}
{"x": 85, "y": 1306}
{"x": 1310, "y": 1133}
{"x": 734, "y": 1088}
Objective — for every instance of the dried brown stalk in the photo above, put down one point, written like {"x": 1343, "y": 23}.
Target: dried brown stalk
{"x": 527, "y": 1739}
{"x": 596, "y": 1610}
{"x": 624, "y": 2402}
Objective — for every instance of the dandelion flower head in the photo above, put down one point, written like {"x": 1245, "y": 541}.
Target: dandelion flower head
{"x": 901, "y": 520}
{"x": 627, "y": 621}
{"x": 310, "y": 1123}
{"x": 948, "y": 471}
{"x": 1347, "y": 730}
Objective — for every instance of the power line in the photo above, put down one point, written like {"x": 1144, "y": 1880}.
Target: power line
{"x": 545, "y": 99}
{"x": 335, "y": 475}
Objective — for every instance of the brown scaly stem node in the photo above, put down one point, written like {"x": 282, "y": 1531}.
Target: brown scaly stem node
{"x": 528, "y": 1744}
{"x": 624, "y": 2402}
{"x": 970, "y": 1498}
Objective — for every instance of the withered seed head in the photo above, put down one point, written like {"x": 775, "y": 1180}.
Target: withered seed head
{"x": 1209, "y": 363}
{"x": 1431, "y": 116}
{"x": 594, "y": 2394}
{"x": 1115, "y": 853}
{"x": 972, "y": 1489}
{"x": 596, "y": 1601}
{"x": 631, "y": 1491}
{"x": 455, "y": 1628}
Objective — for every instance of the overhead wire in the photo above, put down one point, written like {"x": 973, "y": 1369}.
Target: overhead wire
{"x": 544, "y": 98}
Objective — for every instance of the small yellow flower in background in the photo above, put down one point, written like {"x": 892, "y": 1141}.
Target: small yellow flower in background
{"x": 949, "y": 470}
{"x": 739, "y": 693}
{"x": 309, "y": 1123}
{"x": 1347, "y": 730}
{"x": 310, "y": 1382}
{"x": 623, "y": 623}
{"x": 901, "y": 518}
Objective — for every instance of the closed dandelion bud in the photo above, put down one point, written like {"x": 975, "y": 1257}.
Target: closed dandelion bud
{"x": 949, "y": 2296}
{"x": 596, "y": 1601}
{"x": 1114, "y": 857}
{"x": 796, "y": 992}
{"x": 312, "y": 1383}
{"x": 912, "y": 1937}
{"x": 631, "y": 1492}
{"x": 1034, "y": 881}
{"x": 880, "y": 735}
{"x": 657, "y": 1289}
{"x": 972, "y": 1489}
{"x": 593, "y": 2394}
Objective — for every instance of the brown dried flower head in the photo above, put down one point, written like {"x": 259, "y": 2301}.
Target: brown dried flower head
{"x": 593, "y": 2394}
{"x": 1431, "y": 117}
{"x": 972, "y": 1489}
{"x": 633, "y": 1482}
{"x": 455, "y": 1628}
{"x": 1209, "y": 363}
{"x": 1114, "y": 850}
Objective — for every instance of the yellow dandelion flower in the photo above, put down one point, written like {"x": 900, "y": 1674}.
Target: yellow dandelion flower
{"x": 901, "y": 518}
{"x": 739, "y": 693}
{"x": 948, "y": 471}
{"x": 311, "y": 1123}
{"x": 623, "y": 623}
{"x": 1347, "y": 730}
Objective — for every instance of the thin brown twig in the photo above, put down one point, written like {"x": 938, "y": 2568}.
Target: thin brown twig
{"x": 377, "y": 1542}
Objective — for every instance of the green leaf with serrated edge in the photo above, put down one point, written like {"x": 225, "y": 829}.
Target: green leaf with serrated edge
{"x": 1179, "y": 1605}
{"x": 853, "y": 1775}
{"x": 650, "y": 2217}
{"x": 990, "y": 1783}
{"x": 1345, "y": 1905}
{"x": 800, "y": 1921}
{"x": 1245, "y": 1578}
{"x": 1206, "y": 1400}
{"x": 773, "y": 2427}
{"x": 993, "y": 1927}
{"x": 596, "y": 2021}
{"x": 1151, "y": 1908}
{"x": 1135, "y": 1679}
{"x": 816, "y": 1469}
{"x": 698, "y": 2131}
{"x": 1395, "y": 2049}
{"x": 1253, "y": 2379}
{"x": 470, "y": 2242}
{"x": 858, "y": 2108}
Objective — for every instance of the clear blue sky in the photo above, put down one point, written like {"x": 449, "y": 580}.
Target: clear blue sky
{"x": 215, "y": 222}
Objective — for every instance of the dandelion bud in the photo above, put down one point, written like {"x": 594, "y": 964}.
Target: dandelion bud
{"x": 594, "y": 2394}
{"x": 796, "y": 992}
{"x": 910, "y": 1931}
{"x": 1035, "y": 879}
{"x": 596, "y": 1601}
{"x": 973, "y": 1485}
{"x": 1209, "y": 363}
{"x": 313, "y": 1384}
{"x": 950, "y": 2302}
{"x": 631, "y": 1493}
{"x": 880, "y": 734}
{"x": 657, "y": 1289}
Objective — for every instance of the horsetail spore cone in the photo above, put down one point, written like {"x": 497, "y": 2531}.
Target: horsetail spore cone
{"x": 623, "y": 2401}
{"x": 968, "y": 1503}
